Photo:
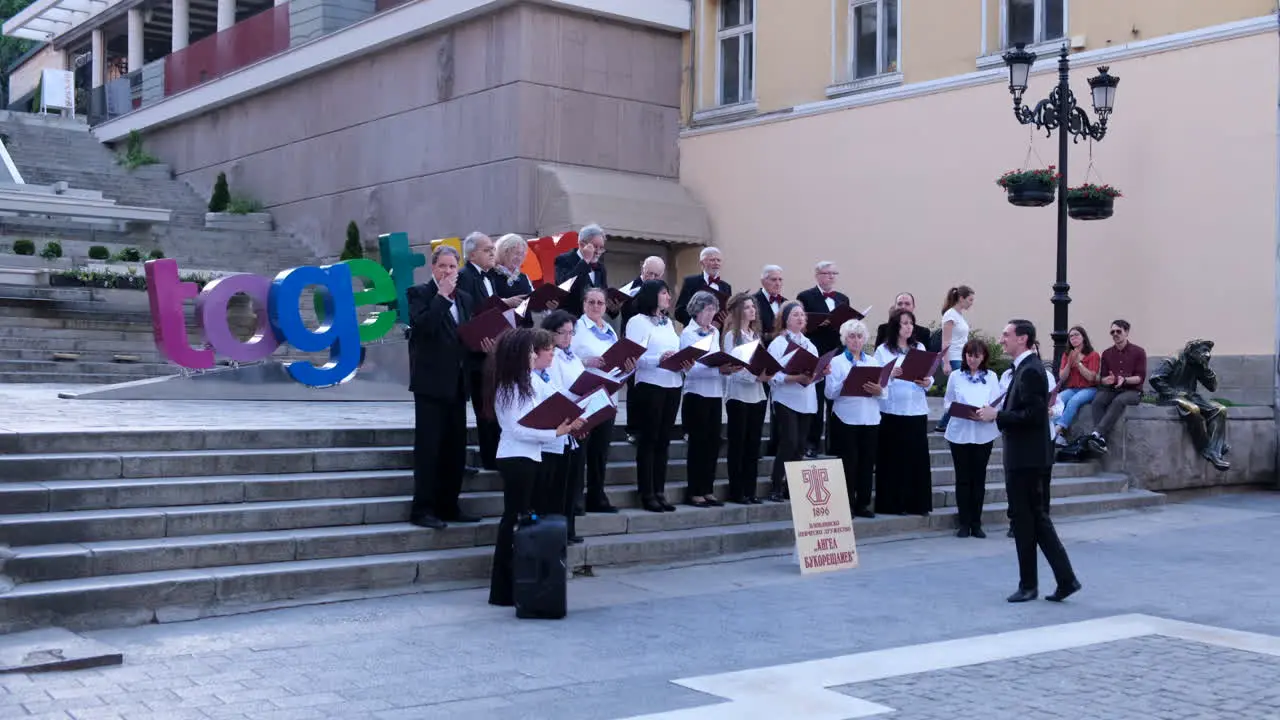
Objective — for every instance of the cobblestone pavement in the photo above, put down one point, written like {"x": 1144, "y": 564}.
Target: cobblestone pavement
{"x": 630, "y": 634}
{"x": 1148, "y": 678}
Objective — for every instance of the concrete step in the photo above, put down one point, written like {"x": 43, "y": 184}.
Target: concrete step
{"x": 35, "y": 563}
{"x": 123, "y": 369}
{"x": 144, "y": 597}
{"x": 63, "y": 378}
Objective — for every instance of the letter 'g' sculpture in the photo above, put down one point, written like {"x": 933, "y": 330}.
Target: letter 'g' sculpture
{"x": 1175, "y": 382}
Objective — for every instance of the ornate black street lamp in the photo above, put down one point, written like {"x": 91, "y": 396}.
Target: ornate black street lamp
{"x": 1060, "y": 112}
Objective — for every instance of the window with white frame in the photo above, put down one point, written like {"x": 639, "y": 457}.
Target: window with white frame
{"x": 873, "y": 37}
{"x": 736, "y": 41}
{"x": 1034, "y": 21}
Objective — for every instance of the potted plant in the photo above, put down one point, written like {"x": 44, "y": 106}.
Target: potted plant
{"x": 1030, "y": 188}
{"x": 1091, "y": 202}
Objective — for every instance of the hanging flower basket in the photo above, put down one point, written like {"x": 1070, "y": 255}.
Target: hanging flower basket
{"x": 1030, "y": 188}
{"x": 1091, "y": 202}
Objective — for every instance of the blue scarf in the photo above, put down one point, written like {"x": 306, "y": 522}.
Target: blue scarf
{"x": 546, "y": 376}
{"x": 979, "y": 378}
{"x": 604, "y": 335}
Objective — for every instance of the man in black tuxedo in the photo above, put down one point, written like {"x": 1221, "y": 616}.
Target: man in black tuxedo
{"x": 653, "y": 268}
{"x": 585, "y": 265}
{"x": 921, "y": 334}
{"x": 709, "y": 279}
{"x": 440, "y": 383}
{"x": 1024, "y": 421}
{"x": 769, "y": 302}
{"x": 822, "y": 298}
{"x": 477, "y": 280}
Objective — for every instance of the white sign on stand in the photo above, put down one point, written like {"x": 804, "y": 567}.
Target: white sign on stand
{"x": 820, "y": 511}
{"x": 57, "y": 90}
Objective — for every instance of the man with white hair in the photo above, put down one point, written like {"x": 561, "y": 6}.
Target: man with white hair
{"x": 769, "y": 302}
{"x": 653, "y": 268}
{"x": 585, "y": 265}
{"x": 477, "y": 279}
{"x": 822, "y": 298}
{"x": 709, "y": 279}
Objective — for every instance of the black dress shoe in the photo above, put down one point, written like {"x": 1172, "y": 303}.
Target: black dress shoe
{"x": 666, "y": 506}
{"x": 461, "y": 517}
{"x": 428, "y": 521}
{"x": 652, "y": 505}
{"x": 963, "y": 532}
{"x": 1023, "y": 595}
{"x": 755, "y": 500}
{"x": 977, "y": 532}
{"x": 714, "y": 502}
{"x": 1064, "y": 591}
{"x": 603, "y": 508}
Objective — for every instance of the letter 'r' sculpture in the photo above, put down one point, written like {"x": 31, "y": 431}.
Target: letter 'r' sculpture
{"x": 1175, "y": 382}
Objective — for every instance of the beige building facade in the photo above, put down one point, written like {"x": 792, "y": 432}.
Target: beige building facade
{"x": 871, "y": 133}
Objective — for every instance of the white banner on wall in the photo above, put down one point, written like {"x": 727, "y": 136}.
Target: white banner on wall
{"x": 57, "y": 90}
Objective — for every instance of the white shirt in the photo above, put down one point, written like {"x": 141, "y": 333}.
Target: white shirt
{"x": 707, "y": 279}
{"x": 547, "y": 388}
{"x": 586, "y": 344}
{"x": 1058, "y": 408}
{"x": 852, "y": 410}
{"x": 776, "y": 307}
{"x": 516, "y": 440}
{"x": 702, "y": 380}
{"x": 962, "y": 388}
{"x": 658, "y": 340}
{"x": 902, "y": 397}
{"x": 565, "y": 369}
{"x": 801, "y": 398}
{"x": 959, "y": 333}
{"x": 742, "y": 385}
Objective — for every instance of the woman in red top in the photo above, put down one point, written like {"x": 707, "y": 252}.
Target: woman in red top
{"x": 1080, "y": 368}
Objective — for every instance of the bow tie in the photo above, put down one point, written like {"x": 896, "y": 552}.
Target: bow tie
{"x": 713, "y": 279}
{"x": 977, "y": 378}
{"x": 546, "y": 376}
{"x": 594, "y": 266}
{"x": 776, "y": 299}
{"x": 831, "y": 295}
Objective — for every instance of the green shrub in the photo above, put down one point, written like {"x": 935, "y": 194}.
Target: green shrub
{"x": 221, "y": 195}
{"x": 134, "y": 156}
{"x": 353, "y": 249}
{"x": 243, "y": 206}
{"x": 156, "y": 254}
{"x": 51, "y": 251}
{"x": 99, "y": 252}
{"x": 24, "y": 247}
{"x": 130, "y": 254}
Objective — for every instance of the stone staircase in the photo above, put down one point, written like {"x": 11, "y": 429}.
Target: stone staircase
{"x": 129, "y": 527}
{"x": 50, "y": 150}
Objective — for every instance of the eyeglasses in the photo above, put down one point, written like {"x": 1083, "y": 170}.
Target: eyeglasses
{"x": 1116, "y": 332}
{"x": 570, "y": 332}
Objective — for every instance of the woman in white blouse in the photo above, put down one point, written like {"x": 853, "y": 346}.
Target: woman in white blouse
{"x": 592, "y": 337}
{"x": 702, "y": 405}
{"x": 855, "y": 421}
{"x": 564, "y": 492}
{"x": 516, "y": 388}
{"x": 744, "y": 403}
{"x": 655, "y": 400}
{"x": 904, "y": 483}
{"x": 795, "y": 400}
{"x": 971, "y": 440}
{"x": 955, "y": 335}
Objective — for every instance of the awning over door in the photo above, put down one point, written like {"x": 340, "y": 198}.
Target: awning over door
{"x": 624, "y": 204}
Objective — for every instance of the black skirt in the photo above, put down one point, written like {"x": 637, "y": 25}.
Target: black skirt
{"x": 904, "y": 483}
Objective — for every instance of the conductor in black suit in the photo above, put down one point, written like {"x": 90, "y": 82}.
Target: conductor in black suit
{"x": 586, "y": 265}
{"x": 440, "y": 383}
{"x": 822, "y": 298}
{"x": 1024, "y": 421}
{"x": 709, "y": 279}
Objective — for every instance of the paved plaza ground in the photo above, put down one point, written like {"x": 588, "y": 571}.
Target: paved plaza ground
{"x": 1179, "y": 618}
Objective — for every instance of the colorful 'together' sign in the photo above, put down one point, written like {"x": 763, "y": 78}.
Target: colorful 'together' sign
{"x": 277, "y": 306}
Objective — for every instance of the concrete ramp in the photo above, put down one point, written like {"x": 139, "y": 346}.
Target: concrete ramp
{"x": 383, "y": 377}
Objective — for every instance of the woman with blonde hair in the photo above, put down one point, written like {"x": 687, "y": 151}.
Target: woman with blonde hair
{"x": 744, "y": 402}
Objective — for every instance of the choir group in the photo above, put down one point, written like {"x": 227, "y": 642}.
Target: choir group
{"x": 875, "y": 423}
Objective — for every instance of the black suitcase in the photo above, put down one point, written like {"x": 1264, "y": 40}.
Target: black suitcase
{"x": 540, "y": 567}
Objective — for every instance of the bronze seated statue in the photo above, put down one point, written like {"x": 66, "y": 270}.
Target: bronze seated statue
{"x": 1175, "y": 383}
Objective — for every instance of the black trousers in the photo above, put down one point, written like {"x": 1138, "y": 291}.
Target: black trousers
{"x": 570, "y": 467}
{"x": 1046, "y": 480}
{"x": 746, "y": 423}
{"x": 597, "y": 459}
{"x": 857, "y": 446}
{"x": 653, "y": 409}
{"x": 521, "y": 481}
{"x": 439, "y": 455}
{"x": 904, "y": 475}
{"x": 970, "y": 461}
{"x": 486, "y": 430}
{"x": 631, "y": 393}
{"x": 818, "y": 420}
{"x": 793, "y": 429}
{"x": 549, "y": 498}
{"x": 771, "y": 448}
{"x": 1032, "y": 528}
{"x": 702, "y": 424}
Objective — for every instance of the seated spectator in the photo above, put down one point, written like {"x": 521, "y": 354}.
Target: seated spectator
{"x": 1080, "y": 371}
{"x": 1124, "y": 371}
